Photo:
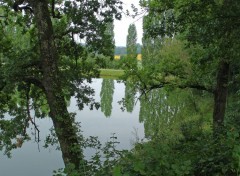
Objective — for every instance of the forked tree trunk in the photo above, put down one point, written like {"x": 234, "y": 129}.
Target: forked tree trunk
{"x": 220, "y": 96}
{"x": 63, "y": 123}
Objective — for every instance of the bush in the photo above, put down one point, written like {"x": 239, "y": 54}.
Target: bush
{"x": 202, "y": 155}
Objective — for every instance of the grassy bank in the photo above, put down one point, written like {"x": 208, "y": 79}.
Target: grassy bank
{"x": 111, "y": 73}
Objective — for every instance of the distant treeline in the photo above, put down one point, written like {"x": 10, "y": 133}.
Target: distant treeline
{"x": 122, "y": 50}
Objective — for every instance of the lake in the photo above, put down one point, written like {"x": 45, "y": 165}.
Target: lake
{"x": 160, "y": 112}
{"x": 34, "y": 160}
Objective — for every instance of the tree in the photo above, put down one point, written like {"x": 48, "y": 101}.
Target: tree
{"x": 38, "y": 68}
{"x": 108, "y": 46}
{"x": 212, "y": 25}
{"x": 132, "y": 41}
{"x": 110, "y": 34}
{"x": 150, "y": 48}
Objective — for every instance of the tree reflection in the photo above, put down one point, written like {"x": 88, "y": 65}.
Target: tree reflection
{"x": 15, "y": 119}
{"x": 164, "y": 111}
{"x": 19, "y": 108}
{"x": 130, "y": 92}
{"x": 106, "y": 95}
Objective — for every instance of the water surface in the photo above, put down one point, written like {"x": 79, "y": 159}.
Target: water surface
{"x": 30, "y": 161}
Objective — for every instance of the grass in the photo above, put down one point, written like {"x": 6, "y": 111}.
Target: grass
{"x": 111, "y": 73}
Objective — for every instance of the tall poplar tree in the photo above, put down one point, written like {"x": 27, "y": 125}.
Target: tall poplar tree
{"x": 132, "y": 41}
{"x": 111, "y": 40}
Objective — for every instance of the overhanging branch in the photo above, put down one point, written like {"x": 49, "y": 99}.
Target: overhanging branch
{"x": 192, "y": 86}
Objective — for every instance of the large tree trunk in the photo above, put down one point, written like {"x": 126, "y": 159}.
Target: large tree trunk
{"x": 220, "y": 96}
{"x": 62, "y": 121}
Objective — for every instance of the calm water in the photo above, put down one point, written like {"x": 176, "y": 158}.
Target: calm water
{"x": 29, "y": 161}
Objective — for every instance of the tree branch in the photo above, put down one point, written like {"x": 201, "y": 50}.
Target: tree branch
{"x": 198, "y": 87}
{"x": 192, "y": 86}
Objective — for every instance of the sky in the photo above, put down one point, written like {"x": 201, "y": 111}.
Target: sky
{"x": 121, "y": 27}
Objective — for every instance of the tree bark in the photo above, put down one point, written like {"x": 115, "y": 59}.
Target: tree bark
{"x": 62, "y": 121}
{"x": 220, "y": 96}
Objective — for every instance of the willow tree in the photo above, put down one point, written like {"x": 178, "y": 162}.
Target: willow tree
{"x": 49, "y": 30}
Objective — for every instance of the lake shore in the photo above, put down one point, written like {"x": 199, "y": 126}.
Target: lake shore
{"x": 111, "y": 73}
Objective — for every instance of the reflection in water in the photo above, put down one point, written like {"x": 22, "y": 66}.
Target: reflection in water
{"x": 160, "y": 109}
{"x": 29, "y": 161}
{"x": 130, "y": 92}
{"x": 107, "y": 96}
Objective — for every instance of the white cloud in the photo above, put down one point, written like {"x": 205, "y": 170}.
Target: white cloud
{"x": 121, "y": 27}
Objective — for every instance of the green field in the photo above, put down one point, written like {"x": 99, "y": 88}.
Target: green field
{"x": 111, "y": 73}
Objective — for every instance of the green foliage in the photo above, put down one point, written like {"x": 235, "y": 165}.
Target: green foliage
{"x": 102, "y": 162}
{"x": 22, "y": 70}
{"x": 150, "y": 51}
{"x": 206, "y": 25}
{"x": 91, "y": 20}
{"x": 165, "y": 63}
{"x": 132, "y": 41}
{"x": 184, "y": 145}
{"x": 205, "y": 28}
{"x": 158, "y": 160}
{"x": 109, "y": 50}
{"x": 13, "y": 130}
{"x": 178, "y": 125}
{"x": 202, "y": 155}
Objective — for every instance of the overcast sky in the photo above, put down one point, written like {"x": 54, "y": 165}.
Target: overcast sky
{"x": 121, "y": 27}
